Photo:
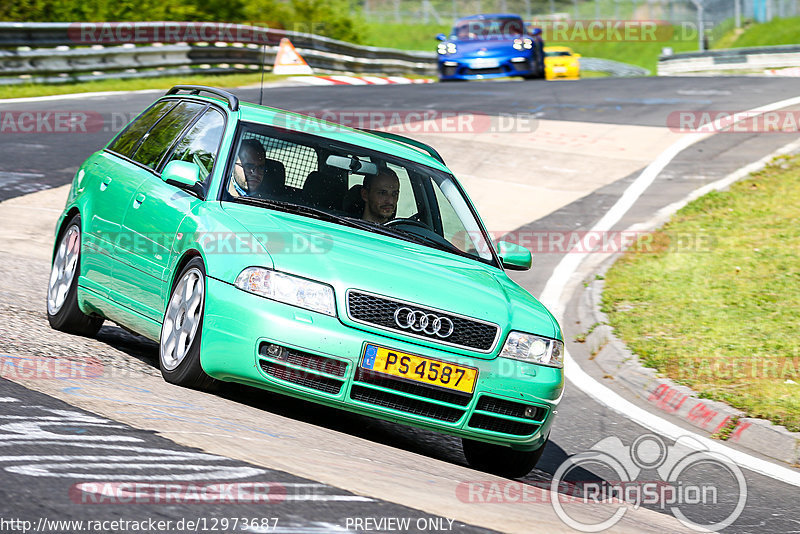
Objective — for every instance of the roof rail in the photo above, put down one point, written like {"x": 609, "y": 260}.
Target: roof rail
{"x": 233, "y": 101}
{"x": 416, "y": 144}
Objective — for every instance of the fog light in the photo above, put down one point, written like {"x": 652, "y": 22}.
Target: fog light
{"x": 276, "y": 351}
{"x": 531, "y": 411}
{"x": 518, "y": 60}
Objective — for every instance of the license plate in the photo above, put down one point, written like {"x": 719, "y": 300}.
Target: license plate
{"x": 484, "y": 63}
{"x": 419, "y": 368}
{"x": 560, "y": 69}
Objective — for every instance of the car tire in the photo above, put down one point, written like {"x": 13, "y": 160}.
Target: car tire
{"x": 500, "y": 460}
{"x": 181, "y": 331}
{"x": 63, "y": 312}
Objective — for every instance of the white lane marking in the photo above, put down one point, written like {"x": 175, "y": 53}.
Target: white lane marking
{"x": 612, "y": 400}
{"x": 568, "y": 266}
{"x": 77, "y": 96}
{"x": 196, "y": 472}
{"x": 8, "y": 399}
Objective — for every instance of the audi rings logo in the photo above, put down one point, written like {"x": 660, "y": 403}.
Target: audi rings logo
{"x": 427, "y": 323}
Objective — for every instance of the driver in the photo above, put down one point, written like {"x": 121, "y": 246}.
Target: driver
{"x": 380, "y": 193}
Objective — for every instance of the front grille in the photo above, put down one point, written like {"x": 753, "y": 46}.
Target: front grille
{"x": 504, "y": 426}
{"x": 405, "y": 404}
{"x": 379, "y": 311}
{"x": 421, "y": 390}
{"x": 302, "y": 378}
{"x": 306, "y": 360}
{"x": 495, "y": 70}
{"x": 505, "y": 407}
{"x": 449, "y": 70}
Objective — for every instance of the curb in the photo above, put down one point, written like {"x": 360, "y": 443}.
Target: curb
{"x": 357, "y": 80}
{"x": 618, "y": 362}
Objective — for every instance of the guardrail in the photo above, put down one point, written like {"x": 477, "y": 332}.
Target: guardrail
{"x": 614, "y": 68}
{"x": 55, "y": 52}
{"x": 732, "y": 59}
{"x": 58, "y": 52}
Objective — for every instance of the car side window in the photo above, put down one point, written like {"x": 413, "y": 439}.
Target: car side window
{"x": 127, "y": 141}
{"x": 201, "y": 144}
{"x": 164, "y": 133}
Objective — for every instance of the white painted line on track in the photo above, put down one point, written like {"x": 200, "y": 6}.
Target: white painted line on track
{"x": 556, "y": 285}
{"x": 77, "y": 96}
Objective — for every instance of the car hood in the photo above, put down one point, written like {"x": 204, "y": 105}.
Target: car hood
{"x": 484, "y": 48}
{"x": 351, "y": 258}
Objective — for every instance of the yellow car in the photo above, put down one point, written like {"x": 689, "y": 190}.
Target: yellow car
{"x": 561, "y": 62}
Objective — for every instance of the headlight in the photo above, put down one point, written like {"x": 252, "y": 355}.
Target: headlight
{"x": 534, "y": 349}
{"x": 287, "y": 289}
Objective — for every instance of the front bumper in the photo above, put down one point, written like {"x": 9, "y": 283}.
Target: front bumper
{"x": 320, "y": 357}
{"x": 468, "y": 69}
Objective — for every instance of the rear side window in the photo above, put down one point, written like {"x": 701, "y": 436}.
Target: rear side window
{"x": 298, "y": 160}
{"x": 200, "y": 145}
{"x": 127, "y": 141}
{"x": 156, "y": 143}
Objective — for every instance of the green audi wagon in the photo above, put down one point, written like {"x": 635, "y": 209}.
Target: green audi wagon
{"x": 341, "y": 266}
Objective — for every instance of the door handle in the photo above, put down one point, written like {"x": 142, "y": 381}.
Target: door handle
{"x": 138, "y": 200}
{"x": 104, "y": 183}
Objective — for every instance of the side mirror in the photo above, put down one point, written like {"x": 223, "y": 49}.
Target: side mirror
{"x": 181, "y": 173}
{"x": 514, "y": 257}
{"x": 441, "y": 37}
{"x": 536, "y": 31}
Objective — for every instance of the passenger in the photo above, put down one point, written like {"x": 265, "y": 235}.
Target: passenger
{"x": 380, "y": 194}
{"x": 250, "y": 167}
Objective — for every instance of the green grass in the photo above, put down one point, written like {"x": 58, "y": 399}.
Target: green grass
{"x": 403, "y": 36}
{"x": 775, "y": 32}
{"x": 715, "y": 305}
{"x": 226, "y": 80}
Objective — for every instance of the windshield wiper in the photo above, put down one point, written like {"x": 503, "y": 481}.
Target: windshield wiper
{"x": 352, "y": 222}
{"x": 434, "y": 243}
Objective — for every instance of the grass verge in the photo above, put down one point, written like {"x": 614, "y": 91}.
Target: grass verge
{"x": 715, "y": 305}
{"x": 220, "y": 80}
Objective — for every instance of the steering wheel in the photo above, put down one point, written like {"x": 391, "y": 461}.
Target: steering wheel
{"x": 410, "y": 222}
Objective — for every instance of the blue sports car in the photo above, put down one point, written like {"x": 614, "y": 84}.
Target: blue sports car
{"x": 490, "y": 46}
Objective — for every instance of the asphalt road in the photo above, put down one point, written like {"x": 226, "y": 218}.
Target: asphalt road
{"x": 33, "y": 161}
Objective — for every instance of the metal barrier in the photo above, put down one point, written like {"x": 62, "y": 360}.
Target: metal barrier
{"x": 733, "y": 59}
{"x": 614, "y": 68}
{"x": 60, "y": 52}
{"x": 67, "y": 52}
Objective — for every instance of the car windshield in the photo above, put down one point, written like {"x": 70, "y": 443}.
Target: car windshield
{"x": 488, "y": 28}
{"x": 354, "y": 186}
{"x": 557, "y": 53}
